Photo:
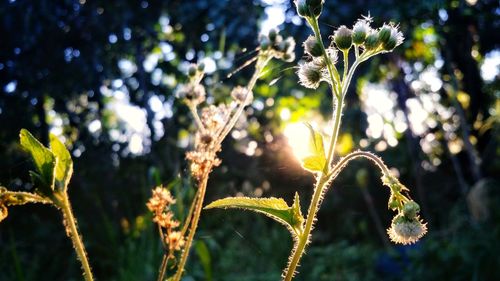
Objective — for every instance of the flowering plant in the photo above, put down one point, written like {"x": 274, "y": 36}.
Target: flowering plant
{"x": 321, "y": 67}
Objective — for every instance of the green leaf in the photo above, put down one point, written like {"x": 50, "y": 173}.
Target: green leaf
{"x": 64, "y": 163}
{"x": 275, "y": 208}
{"x": 316, "y": 162}
{"x": 44, "y": 159}
{"x": 315, "y": 142}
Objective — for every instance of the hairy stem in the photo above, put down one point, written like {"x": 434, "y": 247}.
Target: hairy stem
{"x": 194, "y": 224}
{"x": 163, "y": 267}
{"x": 70, "y": 224}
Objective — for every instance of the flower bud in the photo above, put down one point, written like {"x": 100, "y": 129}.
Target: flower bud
{"x": 272, "y": 34}
{"x": 201, "y": 66}
{"x": 309, "y": 8}
{"x": 343, "y": 38}
{"x": 406, "y": 231}
{"x": 384, "y": 33}
{"x": 192, "y": 70}
{"x": 395, "y": 39}
{"x": 360, "y": 31}
{"x": 265, "y": 43}
{"x": 411, "y": 209}
{"x": 312, "y": 47}
{"x": 309, "y": 75}
{"x": 371, "y": 41}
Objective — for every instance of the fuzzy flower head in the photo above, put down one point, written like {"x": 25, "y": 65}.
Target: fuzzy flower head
{"x": 390, "y": 37}
{"x": 406, "y": 231}
{"x": 360, "y": 30}
{"x": 310, "y": 75}
{"x": 343, "y": 38}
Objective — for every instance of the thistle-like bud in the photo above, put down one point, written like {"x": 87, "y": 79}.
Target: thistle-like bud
{"x": 384, "y": 33}
{"x": 192, "y": 70}
{"x": 395, "y": 39}
{"x": 411, "y": 209}
{"x": 343, "y": 38}
{"x": 406, "y": 231}
{"x": 371, "y": 41}
{"x": 359, "y": 31}
{"x": 309, "y": 75}
{"x": 312, "y": 47}
{"x": 309, "y": 8}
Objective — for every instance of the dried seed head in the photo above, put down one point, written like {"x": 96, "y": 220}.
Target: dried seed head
{"x": 241, "y": 95}
{"x": 343, "y": 38}
{"x": 312, "y": 47}
{"x": 309, "y": 75}
{"x": 175, "y": 241}
{"x": 195, "y": 93}
{"x": 360, "y": 30}
{"x": 406, "y": 231}
{"x": 372, "y": 42}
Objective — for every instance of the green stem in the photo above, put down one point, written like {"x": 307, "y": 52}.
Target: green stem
{"x": 194, "y": 224}
{"x": 353, "y": 155}
{"x": 315, "y": 202}
{"x": 332, "y": 70}
{"x": 70, "y": 224}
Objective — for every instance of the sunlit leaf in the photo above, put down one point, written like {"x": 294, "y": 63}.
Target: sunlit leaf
{"x": 316, "y": 161}
{"x": 275, "y": 208}
{"x": 64, "y": 164}
{"x": 44, "y": 159}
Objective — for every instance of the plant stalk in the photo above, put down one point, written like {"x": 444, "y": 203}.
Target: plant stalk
{"x": 315, "y": 202}
{"x": 194, "y": 224}
{"x": 70, "y": 224}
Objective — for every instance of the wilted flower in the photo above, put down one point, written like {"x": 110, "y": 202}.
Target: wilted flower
{"x": 406, "y": 231}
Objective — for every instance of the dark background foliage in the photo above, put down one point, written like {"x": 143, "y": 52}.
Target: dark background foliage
{"x": 66, "y": 66}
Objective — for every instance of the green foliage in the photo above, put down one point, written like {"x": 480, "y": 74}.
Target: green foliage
{"x": 44, "y": 160}
{"x": 316, "y": 162}
{"x": 275, "y": 208}
{"x": 64, "y": 163}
